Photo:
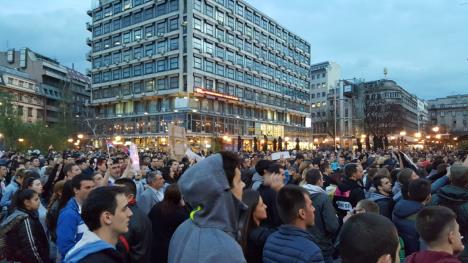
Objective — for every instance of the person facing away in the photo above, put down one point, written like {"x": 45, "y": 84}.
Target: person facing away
{"x": 438, "y": 227}
{"x": 292, "y": 242}
{"x": 405, "y": 211}
{"x": 70, "y": 226}
{"x": 455, "y": 197}
{"x": 107, "y": 215}
{"x": 213, "y": 188}
{"x": 368, "y": 238}
{"x": 326, "y": 222}
{"x": 26, "y": 241}
{"x": 139, "y": 236}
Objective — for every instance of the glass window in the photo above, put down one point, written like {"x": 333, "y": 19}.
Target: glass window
{"x": 161, "y": 46}
{"x": 209, "y": 48}
{"x": 174, "y": 63}
{"x": 197, "y": 43}
{"x": 137, "y": 17}
{"x": 219, "y": 52}
{"x": 161, "y": 84}
{"x": 149, "y": 31}
{"x": 209, "y": 66}
{"x": 137, "y": 87}
{"x": 127, "y": 37}
{"x": 149, "y": 85}
{"x": 173, "y": 82}
{"x": 138, "y": 52}
{"x": 137, "y": 70}
{"x": 161, "y": 27}
{"x": 149, "y": 50}
{"x": 148, "y": 13}
{"x": 116, "y": 24}
{"x": 197, "y": 62}
{"x": 197, "y": 5}
{"x": 126, "y": 72}
{"x": 230, "y": 38}
{"x": 137, "y": 34}
{"x": 117, "y": 7}
{"x": 173, "y": 5}
{"x": 173, "y": 24}
{"x": 116, "y": 74}
{"x": 173, "y": 43}
{"x": 209, "y": 10}
{"x": 127, "y": 55}
{"x": 161, "y": 65}
{"x": 230, "y": 73}
{"x": 220, "y": 70}
{"x": 197, "y": 24}
{"x": 116, "y": 57}
{"x": 149, "y": 68}
{"x": 126, "y": 21}
{"x": 209, "y": 29}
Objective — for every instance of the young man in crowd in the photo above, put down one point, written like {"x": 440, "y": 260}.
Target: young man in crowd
{"x": 154, "y": 193}
{"x": 368, "y": 238}
{"x": 71, "y": 170}
{"x": 292, "y": 242}
{"x": 70, "y": 226}
{"x": 405, "y": 211}
{"x": 383, "y": 195}
{"x": 107, "y": 215}
{"x": 12, "y": 188}
{"x": 438, "y": 227}
{"x": 350, "y": 191}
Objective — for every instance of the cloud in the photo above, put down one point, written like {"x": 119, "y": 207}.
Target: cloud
{"x": 422, "y": 43}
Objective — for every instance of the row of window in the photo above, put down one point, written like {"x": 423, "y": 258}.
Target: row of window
{"x": 138, "y": 34}
{"x": 255, "y": 36}
{"x": 241, "y": 76}
{"x": 137, "y": 52}
{"x": 236, "y": 7}
{"x": 161, "y": 8}
{"x": 157, "y": 84}
{"x": 220, "y": 51}
{"x": 160, "y": 65}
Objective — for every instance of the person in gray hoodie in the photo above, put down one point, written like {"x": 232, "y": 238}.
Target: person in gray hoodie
{"x": 326, "y": 222}
{"x": 213, "y": 188}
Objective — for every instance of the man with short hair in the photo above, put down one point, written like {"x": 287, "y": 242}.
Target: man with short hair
{"x": 368, "y": 238}
{"x": 139, "y": 233}
{"x": 107, "y": 215}
{"x": 154, "y": 193}
{"x": 114, "y": 170}
{"x": 70, "y": 226}
{"x": 12, "y": 188}
{"x": 3, "y": 174}
{"x": 261, "y": 169}
{"x": 383, "y": 195}
{"x": 71, "y": 170}
{"x": 292, "y": 242}
{"x": 405, "y": 211}
{"x": 297, "y": 162}
{"x": 156, "y": 164}
{"x": 84, "y": 166}
{"x": 455, "y": 197}
{"x": 350, "y": 191}
{"x": 35, "y": 164}
{"x": 438, "y": 227}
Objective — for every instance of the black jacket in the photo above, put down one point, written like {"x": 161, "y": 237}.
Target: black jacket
{"x": 104, "y": 256}
{"x": 269, "y": 198}
{"x": 164, "y": 221}
{"x": 27, "y": 241}
{"x": 347, "y": 195}
{"x": 139, "y": 237}
{"x": 256, "y": 242}
{"x": 326, "y": 223}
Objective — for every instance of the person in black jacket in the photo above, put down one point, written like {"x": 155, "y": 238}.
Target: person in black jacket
{"x": 383, "y": 195}
{"x": 165, "y": 217}
{"x": 107, "y": 215}
{"x": 26, "y": 241}
{"x": 273, "y": 182}
{"x": 139, "y": 235}
{"x": 253, "y": 235}
{"x": 350, "y": 191}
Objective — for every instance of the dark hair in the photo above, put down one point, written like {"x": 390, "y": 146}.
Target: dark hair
{"x": 170, "y": 162}
{"x": 274, "y": 168}
{"x": 30, "y": 173}
{"x": 21, "y": 196}
{"x": 261, "y": 166}
{"x": 231, "y": 161}
{"x": 324, "y": 166}
{"x": 404, "y": 176}
{"x": 28, "y": 182}
{"x": 172, "y": 198}
{"x": 350, "y": 169}
{"x": 102, "y": 199}
{"x": 433, "y": 221}
{"x": 366, "y": 237}
{"x": 67, "y": 194}
{"x": 250, "y": 198}
{"x": 289, "y": 200}
{"x": 313, "y": 176}
{"x": 68, "y": 167}
{"x": 128, "y": 185}
{"x": 80, "y": 161}
{"x": 419, "y": 190}
{"x": 377, "y": 181}
{"x": 76, "y": 181}
{"x": 459, "y": 175}
{"x": 299, "y": 156}
{"x": 369, "y": 206}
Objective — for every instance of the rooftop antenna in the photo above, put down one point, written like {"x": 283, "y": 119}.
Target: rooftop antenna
{"x": 7, "y": 45}
{"x": 385, "y": 72}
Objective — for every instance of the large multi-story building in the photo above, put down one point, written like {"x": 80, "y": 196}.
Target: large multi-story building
{"x": 56, "y": 92}
{"x": 217, "y": 68}
{"x": 450, "y": 114}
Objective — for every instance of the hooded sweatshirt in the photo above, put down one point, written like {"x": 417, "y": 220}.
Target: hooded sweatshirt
{"x": 89, "y": 244}
{"x": 431, "y": 257}
{"x": 404, "y": 218}
{"x": 209, "y": 235}
{"x": 385, "y": 203}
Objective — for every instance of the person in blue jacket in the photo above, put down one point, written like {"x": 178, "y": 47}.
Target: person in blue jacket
{"x": 70, "y": 226}
{"x": 292, "y": 242}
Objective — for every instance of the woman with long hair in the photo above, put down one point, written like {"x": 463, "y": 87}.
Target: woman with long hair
{"x": 26, "y": 241}
{"x": 165, "y": 217}
{"x": 253, "y": 235}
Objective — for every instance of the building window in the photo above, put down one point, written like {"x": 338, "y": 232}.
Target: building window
{"x": 149, "y": 50}
{"x": 173, "y": 24}
{"x": 209, "y": 66}
{"x": 173, "y": 44}
{"x": 161, "y": 65}
{"x": 174, "y": 63}
{"x": 149, "y": 68}
{"x": 161, "y": 27}
{"x": 137, "y": 70}
{"x": 149, "y": 85}
{"x": 197, "y": 44}
{"x": 161, "y": 84}
{"x": 197, "y": 24}
{"x": 173, "y": 82}
{"x": 209, "y": 29}
{"x": 197, "y": 62}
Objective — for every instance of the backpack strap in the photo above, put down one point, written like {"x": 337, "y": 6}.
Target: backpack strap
{"x": 124, "y": 242}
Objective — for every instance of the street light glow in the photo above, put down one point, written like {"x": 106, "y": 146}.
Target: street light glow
{"x": 417, "y": 135}
{"x": 70, "y": 140}
{"x": 403, "y": 133}
{"x": 118, "y": 138}
{"x": 20, "y": 140}
{"x": 435, "y": 129}
{"x": 80, "y": 136}
{"x": 438, "y": 136}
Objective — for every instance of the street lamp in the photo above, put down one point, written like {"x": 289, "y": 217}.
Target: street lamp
{"x": 438, "y": 136}
{"x": 70, "y": 140}
{"x": 435, "y": 129}
{"x": 118, "y": 138}
{"x": 403, "y": 133}
{"x": 20, "y": 140}
{"x": 417, "y": 135}
{"x": 80, "y": 136}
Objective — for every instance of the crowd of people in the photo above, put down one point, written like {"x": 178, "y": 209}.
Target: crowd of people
{"x": 381, "y": 206}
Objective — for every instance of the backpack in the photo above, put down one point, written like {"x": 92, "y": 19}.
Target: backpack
{"x": 4, "y": 229}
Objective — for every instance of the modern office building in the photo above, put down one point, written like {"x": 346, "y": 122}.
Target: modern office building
{"x": 221, "y": 69}
{"x": 450, "y": 114}
{"x": 56, "y": 92}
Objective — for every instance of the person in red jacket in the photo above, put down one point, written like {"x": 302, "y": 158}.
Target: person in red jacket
{"x": 438, "y": 227}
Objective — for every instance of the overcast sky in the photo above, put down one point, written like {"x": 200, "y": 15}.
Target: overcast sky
{"x": 422, "y": 43}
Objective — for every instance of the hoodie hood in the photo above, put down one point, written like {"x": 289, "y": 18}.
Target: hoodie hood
{"x": 454, "y": 193}
{"x": 16, "y": 216}
{"x": 405, "y": 208}
{"x": 206, "y": 189}
{"x": 431, "y": 256}
{"x": 90, "y": 243}
{"x": 313, "y": 189}
{"x": 374, "y": 196}
{"x": 348, "y": 184}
